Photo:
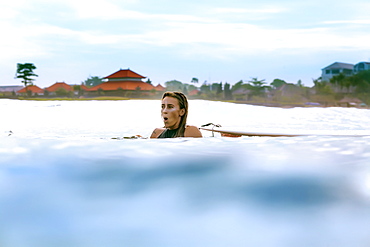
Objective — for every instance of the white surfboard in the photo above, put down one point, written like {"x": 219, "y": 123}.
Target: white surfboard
{"x": 232, "y": 133}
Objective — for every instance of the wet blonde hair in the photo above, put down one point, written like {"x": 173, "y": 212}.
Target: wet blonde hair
{"x": 183, "y": 103}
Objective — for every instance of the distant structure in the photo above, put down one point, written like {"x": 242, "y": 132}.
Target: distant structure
{"x": 160, "y": 88}
{"x": 53, "y": 89}
{"x": 58, "y": 86}
{"x": 33, "y": 90}
{"x": 361, "y": 66}
{"x": 125, "y": 80}
{"x": 336, "y": 69}
{"x": 346, "y": 69}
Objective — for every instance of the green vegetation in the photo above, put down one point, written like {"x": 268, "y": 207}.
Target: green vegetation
{"x": 25, "y": 72}
{"x": 93, "y": 81}
{"x": 74, "y": 99}
{"x": 347, "y": 90}
{"x": 281, "y": 93}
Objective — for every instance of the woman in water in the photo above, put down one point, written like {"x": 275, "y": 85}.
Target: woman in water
{"x": 174, "y": 114}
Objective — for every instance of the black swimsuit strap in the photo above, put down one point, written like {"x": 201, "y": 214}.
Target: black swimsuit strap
{"x": 167, "y": 133}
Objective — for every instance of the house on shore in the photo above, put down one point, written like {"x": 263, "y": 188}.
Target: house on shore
{"x": 160, "y": 88}
{"x": 62, "y": 87}
{"x": 335, "y": 69}
{"x": 346, "y": 69}
{"x": 126, "y": 83}
{"x": 31, "y": 90}
{"x": 361, "y": 66}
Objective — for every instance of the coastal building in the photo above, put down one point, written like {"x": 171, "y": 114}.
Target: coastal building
{"x": 361, "y": 66}
{"x": 160, "y": 88}
{"x": 121, "y": 83}
{"x": 64, "y": 87}
{"x": 52, "y": 90}
{"x": 125, "y": 82}
{"x": 33, "y": 90}
{"x": 336, "y": 69}
{"x": 346, "y": 69}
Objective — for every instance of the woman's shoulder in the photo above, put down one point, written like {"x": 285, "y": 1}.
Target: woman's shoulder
{"x": 157, "y": 132}
{"x": 192, "y": 131}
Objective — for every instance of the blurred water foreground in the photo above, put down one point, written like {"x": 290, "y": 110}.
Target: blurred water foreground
{"x": 65, "y": 182}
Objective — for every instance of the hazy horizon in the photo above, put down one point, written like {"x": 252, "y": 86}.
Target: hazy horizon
{"x": 214, "y": 41}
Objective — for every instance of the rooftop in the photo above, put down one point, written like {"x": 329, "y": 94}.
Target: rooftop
{"x": 126, "y": 73}
{"x": 339, "y": 65}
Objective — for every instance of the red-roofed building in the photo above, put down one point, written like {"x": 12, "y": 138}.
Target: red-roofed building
{"x": 33, "y": 89}
{"x": 83, "y": 87}
{"x": 124, "y": 81}
{"x": 124, "y": 74}
{"x": 194, "y": 92}
{"x": 160, "y": 88}
{"x": 58, "y": 85}
{"x": 52, "y": 90}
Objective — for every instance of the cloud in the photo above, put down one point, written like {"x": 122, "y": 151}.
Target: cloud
{"x": 213, "y": 35}
{"x": 101, "y": 9}
{"x": 105, "y": 10}
{"x": 16, "y": 42}
{"x": 246, "y": 38}
{"x": 364, "y": 21}
{"x": 267, "y": 10}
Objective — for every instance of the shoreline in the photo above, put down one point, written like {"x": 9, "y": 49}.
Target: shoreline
{"x": 116, "y": 98}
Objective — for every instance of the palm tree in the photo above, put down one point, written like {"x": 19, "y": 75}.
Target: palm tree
{"x": 257, "y": 86}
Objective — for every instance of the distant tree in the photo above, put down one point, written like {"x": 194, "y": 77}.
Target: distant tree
{"x": 205, "y": 88}
{"x": 25, "y": 72}
{"x": 185, "y": 90}
{"x": 338, "y": 81}
{"x": 257, "y": 87}
{"x": 217, "y": 87}
{"x": 78, "y": 89}
{"x": 174, "y": 85}
{"x": 299, "y": 83}
{"x": 194, "y": 80}
{"x": 227, "y": 92}
{"x": 93, "y": 81}
{"x": 149, "y": 81}
{"x": 276, "y": 83}
{"x": 359, "y": 81}
{"x": 321, "y": 87}
{"x": 238, "y": 85}
{"x": 62, "y": 92}
{"x": 191, "y": 87}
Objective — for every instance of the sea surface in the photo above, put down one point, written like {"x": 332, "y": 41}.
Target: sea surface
{"x": 69, "y": 178}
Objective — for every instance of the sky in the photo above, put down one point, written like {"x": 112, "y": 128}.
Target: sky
{"x": 212, "y": 40}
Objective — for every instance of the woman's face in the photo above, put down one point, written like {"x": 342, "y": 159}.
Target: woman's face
{"x": 171, "y": 112}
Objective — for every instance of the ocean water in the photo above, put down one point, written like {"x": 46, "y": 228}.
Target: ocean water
{"x": 66, "y": 180}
